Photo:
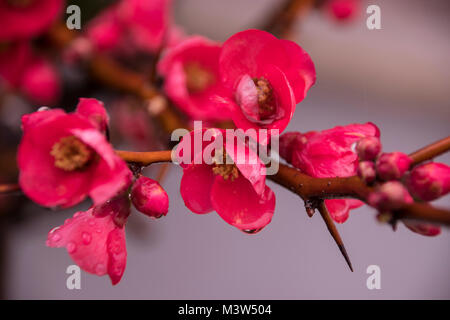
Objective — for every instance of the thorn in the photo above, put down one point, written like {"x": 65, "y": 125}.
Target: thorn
{"x": 334, "y": 232}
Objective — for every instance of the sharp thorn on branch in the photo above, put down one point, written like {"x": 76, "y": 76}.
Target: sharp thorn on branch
{"x": 334, "y": 232}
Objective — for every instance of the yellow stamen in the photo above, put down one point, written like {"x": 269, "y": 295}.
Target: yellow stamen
{"x": 71, "y": 154}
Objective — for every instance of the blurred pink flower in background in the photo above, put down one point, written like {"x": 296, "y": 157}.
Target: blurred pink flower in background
{"x": 343, "y": 10}
{"x": 62, "y": 158}
{"x": 34, "y": 76}
{"x": 25, "y": 19}
{"x": 191, "y": 78}
{"x": 327, "y": 154}
{"x": 266, "y": 77}
{"x": 134, "y": 25}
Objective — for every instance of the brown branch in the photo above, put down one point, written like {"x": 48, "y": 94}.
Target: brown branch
{"x": 334, "y": 232}
{"x": 9, "y": 188}
{"x": 146, "y": 158}
{"x": 431, "y": 151}
{"x": 282, "y": 21}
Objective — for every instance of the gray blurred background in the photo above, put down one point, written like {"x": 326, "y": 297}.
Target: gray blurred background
{"x": 397, "y": 77}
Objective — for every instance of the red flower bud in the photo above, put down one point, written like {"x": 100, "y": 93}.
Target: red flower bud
{"x": 429, "y": 181}
{"x": 368, "y": 148}
{"x": 390, "y": 196}
{"x": 149, "y": 197}
{"x": 392, "y": 166}
{"x": 366, "y": 171}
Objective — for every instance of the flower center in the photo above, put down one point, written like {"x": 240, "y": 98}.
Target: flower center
{"x": 20, "y": 3}
{"x": 71, "y": 154}
{"x": 227, "y": 171}
{"x": 197, "y": 77}
{"x": 265, "y": 98}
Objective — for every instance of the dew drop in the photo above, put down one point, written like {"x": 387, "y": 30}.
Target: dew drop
{"x": 71, "y": 247}
{"x": 86, "y": 238}
{"x": 55, "y": 237}
{"x": 76, "y": 215}
{"x": 253, "y": 231}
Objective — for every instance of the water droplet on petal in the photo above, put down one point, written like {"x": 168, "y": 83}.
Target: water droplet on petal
{"x": 253, "y": 231}
{"x": 86, "y": 238}
{"x": 55, "y": 237}
{"x": 77, "y": 214}
{"x": 67, "y": 221}
{"x": 71, "y": 247}
{"x": 91, "y": 223}
{"x": 98, "y": 230}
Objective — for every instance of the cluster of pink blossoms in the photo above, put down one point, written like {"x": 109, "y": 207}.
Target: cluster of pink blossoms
{"x": 21, "y": 68}
{"x": 254, "y": 79}
{"x": 63, "y": 158}
{"x": 395, "y": 181}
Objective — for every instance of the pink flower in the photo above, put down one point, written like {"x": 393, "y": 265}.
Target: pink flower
{"x": 146, "y": 21}
{"x": 266, "y": 77}
{"x": 34, "y": 76}
{"x": 343, "y": 9}
{"x": 328, "y": 153}
{"x": 140, "y": 23}
{"x": 94, "y": 239}
{"x": 392, "y": 166}
{"x": 149, "y": 197}
{"x": 63, "y": 158}
{"x": 235, "y": 189}
{"x": 429, "y": 181}
{"x": 41, "y": 82}
{"x": 191, "y": 74}
{"x": 24, "y": 19}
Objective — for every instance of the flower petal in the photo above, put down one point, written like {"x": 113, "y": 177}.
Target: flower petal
{"x": 195, "y": 188}
{"x": 239, "y": 205}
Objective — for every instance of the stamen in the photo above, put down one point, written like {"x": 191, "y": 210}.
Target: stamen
{"x": 265, "y": 98}
{"x": 71, "y": 154}
{"x": 227, "y": 171}
{"x": 197, "y": 77}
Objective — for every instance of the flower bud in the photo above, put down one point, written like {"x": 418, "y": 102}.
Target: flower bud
{"x": 368, "y": 148}
{"x": 390, "y": 196}
{"x": 429, "y": 181}
{"x": 392, "y": 166}
{"x": 366, "y": 171}
{"x": 149, "y": 197}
